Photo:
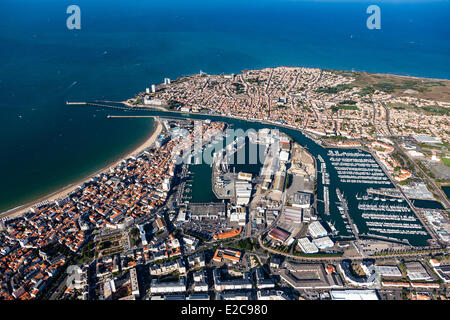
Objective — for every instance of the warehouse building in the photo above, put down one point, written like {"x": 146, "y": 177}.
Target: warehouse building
{"x": 293, "y": 214}
{"x": 279, "y": 234}
{"x": 443, "y": 272}
{"x": 307, "y": 246}
{"x": 388, "y": 271}
{"x": 316, "y": 230}
{"x": 353, "y": 295}
{"x": 323, "y": 243}
{"x": 309, "y": 276}
{"x": 416, "y": 271}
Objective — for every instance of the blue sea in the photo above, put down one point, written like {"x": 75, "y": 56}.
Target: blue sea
{"x": 124, "y": 46}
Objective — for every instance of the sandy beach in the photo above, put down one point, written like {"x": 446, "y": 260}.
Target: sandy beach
{"x": 70, "y": 188}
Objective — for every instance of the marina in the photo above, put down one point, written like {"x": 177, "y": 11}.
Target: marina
{"x": 356, "y": 167}
{"x": 343, "y": 208}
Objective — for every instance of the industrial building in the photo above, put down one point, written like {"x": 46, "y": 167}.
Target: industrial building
{"x": 243, "y": 192}
{"x": 416, "y": 271}
{"x": 293, "y": 214}
{"x": 279, "y": 234}
{"x": 443, "y": 272}
{"x": 309, "y": 276}
{"x": 353, "y": 295}
{"x": 213, "y": 211}
{"x": 301, "y": 200}
{"x": 388, "y": 271}
{"x": 307, "y": 246}
{"x": 245, "y": 176}
{"x": 278, "y": 184}
{"x": 323, "y": 243}
{"x": 239, "y": 215}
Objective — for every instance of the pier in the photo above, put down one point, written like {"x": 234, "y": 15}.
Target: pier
{"x": 344, "y": 206}
{"x": 326, "y": 199}
{"x": 75, "y": 103}
{"x": 94, "y": 104}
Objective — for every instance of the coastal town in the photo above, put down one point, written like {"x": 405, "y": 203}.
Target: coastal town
{"x": 330, "y": 209}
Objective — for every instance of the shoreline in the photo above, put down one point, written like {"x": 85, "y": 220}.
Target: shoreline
{"x": 62, "y": 192}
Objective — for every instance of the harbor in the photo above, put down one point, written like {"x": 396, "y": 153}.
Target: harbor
{"x": 352, "y": 171}
{"x": 340, "y": 227}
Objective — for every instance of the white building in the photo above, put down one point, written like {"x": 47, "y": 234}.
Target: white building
{"x": 200, "y": 284}
{"x": 236, "y": 284}
{"x": 243, "y": 192}
{"x": 239, "y": 215}
{"x": 190, "y": 242}
{"x": 158, "y": 287}
{"x": 142, "y": 234}
{"x": 353, "y": 295}
{"x": 271, "y": 295}
{"x": 284, "y": 155}
{"x": 388, "y": 271}
{"x": 323, "y": 243}
{"x": 307, "y": 246}
{"x": 316, "y": 230}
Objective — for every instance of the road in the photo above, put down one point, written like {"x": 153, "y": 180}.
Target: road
{"x": 324, "y": 259}
{"x": 442, "y": 197}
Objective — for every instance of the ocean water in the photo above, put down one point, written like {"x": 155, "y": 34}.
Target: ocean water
{"x": 446, "y": 191}
{"x": 123, "y": 47}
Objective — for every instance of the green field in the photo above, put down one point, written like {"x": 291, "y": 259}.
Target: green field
{"x": 446, "y": 161}
{"x": 348, "y": 107}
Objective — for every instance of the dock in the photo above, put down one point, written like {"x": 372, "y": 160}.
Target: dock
{"x": 95, "y": 104}
{"x": 69, "y": 103}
